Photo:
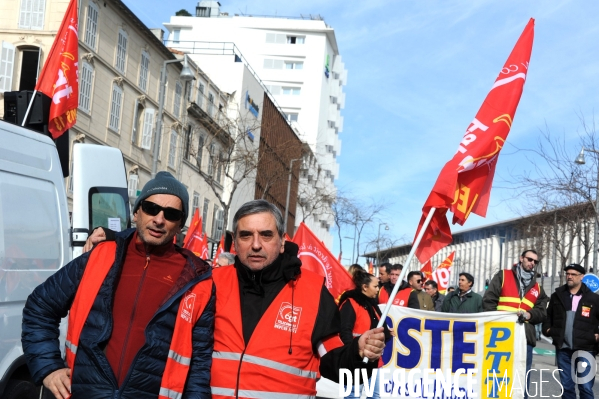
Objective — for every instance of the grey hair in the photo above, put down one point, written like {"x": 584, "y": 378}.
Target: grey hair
{"x": 259, "y": 206}
{"x": 228, "y": 256}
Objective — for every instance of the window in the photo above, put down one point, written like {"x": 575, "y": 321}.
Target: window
{"x": 172, "y": 151}
{"x": 291, "y": 116}
{"x": 177, "y": 100}
{"x": 91, "y": 26}
{"x": 115, "y": 107}
{"x": 29, "y": 67}
{"x": 195, "y": 203}
{"x": 148, "y": 124}
{"x": 210, "y": 103}
{"x": 275, "y": 38}
{"x": 32, "y": 14}
{"x": 85, "y": 87}
{"x": 275, "y": 90}
{"x": 291, "y": 91}
{"x": 187, "y": 144}
{"x": 296, "y": 39}
{"x": 269, "y": 63}
{"x": 144, "y": 70}
{"x": 211, "y": 151}
{"x": 132, "y": 185}
{"x": 331, "y": 124}
{"x": 294, "y": 65}
{"x": 217, "y": 222}
{"x": 200, "y": 152}
{"x": 7, "y": 63}
{"x": 205, "y": 213}
{"x": 162, "y": 92}
{"x": 121, "y": 51}
{"x": 203, "y": 12}
{"x": 200, "y": 99}
{"x": 219, "y": 169}
{"x": 333, "y": 99}
{"x": 176, "y": 34}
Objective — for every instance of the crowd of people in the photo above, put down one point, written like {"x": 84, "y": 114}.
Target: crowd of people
{"x": 149, "y": 319}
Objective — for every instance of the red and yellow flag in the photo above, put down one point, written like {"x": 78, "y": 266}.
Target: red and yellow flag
{"x": 427, "y": 270}
{"x": 318, "y": 259}
{"x": 195, "y": 240}
{"x": 442, "y": 273}
{"x": 464, "y": 184}
{"x": 58, "y": 78}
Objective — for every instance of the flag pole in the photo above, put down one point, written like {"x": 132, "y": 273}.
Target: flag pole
{"x": 404, "y": 270}
{"x": 29, "y": 108}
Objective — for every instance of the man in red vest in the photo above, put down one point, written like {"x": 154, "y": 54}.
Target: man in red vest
{"x": 517, "y": 291}
{"x": 141, "y": 311}
{"x": 276, "y": 325}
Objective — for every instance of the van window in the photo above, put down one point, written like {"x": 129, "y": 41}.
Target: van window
{"x": 30, "y": 234}
{"x": 109, "y": 207}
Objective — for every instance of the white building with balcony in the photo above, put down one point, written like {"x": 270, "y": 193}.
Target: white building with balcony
{"x": 299, "y": 62}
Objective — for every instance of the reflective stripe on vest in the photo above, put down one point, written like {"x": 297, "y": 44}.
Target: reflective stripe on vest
{"x": 191, "y": 307}
{"x": 244, "y": 393}
{"x": 264, "y": 368}
{"x": 509, "y": 298}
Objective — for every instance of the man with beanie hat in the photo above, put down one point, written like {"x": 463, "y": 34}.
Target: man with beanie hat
{"x": 573, "y": 324}
{"x": 147, "y": 329}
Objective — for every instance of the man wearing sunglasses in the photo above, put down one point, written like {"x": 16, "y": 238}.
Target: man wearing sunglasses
{"x": 573, "y": 323}
{"x": 141, "y": 311}
{"x": 517, "y": 291}
{"x": 416, "y": 297}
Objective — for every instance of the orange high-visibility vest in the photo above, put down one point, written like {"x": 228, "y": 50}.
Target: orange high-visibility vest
{"x": 278, "y": 360}
{"x": 191, "y": 307}
{"x": 401, "y": 298}
{"x": 363, "y": 322}
{"x": 509, "y": 298}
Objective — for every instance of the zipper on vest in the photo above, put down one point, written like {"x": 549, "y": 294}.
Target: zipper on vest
{"x": 239, "y": 373}
{"x": 141, "y": 281}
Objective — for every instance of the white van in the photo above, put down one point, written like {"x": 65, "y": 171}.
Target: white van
{"x": 36, "y": 236}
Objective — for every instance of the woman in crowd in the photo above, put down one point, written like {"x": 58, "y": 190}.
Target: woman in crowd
{"x": 359, "y": 313}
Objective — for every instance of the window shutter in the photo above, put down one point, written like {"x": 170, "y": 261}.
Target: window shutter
{"x": 25, "y": 15}
{"x": 37, "y": 14}
{"x": 277, "y": 64}
{"x": 270, "y": 38}
{"x": 6, "y": 66}
{"x": 133, "y": 185}
{"x": 146, "y": 139}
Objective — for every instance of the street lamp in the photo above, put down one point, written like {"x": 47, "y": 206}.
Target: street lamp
{"x": 186, "y": 75}
{"x": 378, "y": 240}
{"x": 288, "y": 192}
{"x": 580, "y": 161}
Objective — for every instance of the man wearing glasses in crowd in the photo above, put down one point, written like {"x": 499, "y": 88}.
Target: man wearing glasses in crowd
{"x": 517, "y": 291}
{"x": 573, "y": 323}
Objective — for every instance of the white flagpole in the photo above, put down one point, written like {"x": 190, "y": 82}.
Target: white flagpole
{"x": 29, "y": 108}
{"x": 405, "y": 269}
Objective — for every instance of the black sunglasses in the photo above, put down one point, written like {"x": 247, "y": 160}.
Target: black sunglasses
{"x": 536, "y": 262}
{"x": 170, "y": 214}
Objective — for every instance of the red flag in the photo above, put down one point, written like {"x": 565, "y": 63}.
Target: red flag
{"x": 370, "y": 268}
{"x": 58, "y": 78}
{"x": 443, "y": 272}
{"x": 318, "y": 259}
{"x": 195, "y": 240}
{"x": 464, "y": 184}
{"x": 427, "y": 270}
{"x": 220, "y": 249}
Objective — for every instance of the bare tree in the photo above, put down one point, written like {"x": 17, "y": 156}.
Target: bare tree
{"x": 343, "y": 208}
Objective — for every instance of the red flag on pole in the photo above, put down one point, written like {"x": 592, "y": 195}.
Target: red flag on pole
{"x": 442, "y": 273}
{"x": 58, "y": 78}
{"x": 195, "y": 240}
{"x": 427, "y": 270}
{"x": 464, "y": 184}
{"x": 370, "y": 268}
{"x": 318, "y": 259}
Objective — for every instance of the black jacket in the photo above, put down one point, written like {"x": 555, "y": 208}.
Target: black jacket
{"x": 585, "y": 328}
{"x": 348, "y": 314}
{"x": 258, "y": 290}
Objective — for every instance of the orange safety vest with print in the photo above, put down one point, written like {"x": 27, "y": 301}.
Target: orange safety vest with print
{"x": 191, "y": 307}
{"x": 363, "y": 322}
{"x": 509, "y": 298}
{"x": 401, "y": 298}
{"x": 278, "y": 361}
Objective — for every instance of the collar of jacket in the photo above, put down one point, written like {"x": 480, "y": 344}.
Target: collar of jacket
{"x": 286, "y": 267}
{"x": 582, "y": 290}
{"x": 195, "y": 268}
{"x": 357, "y": 296}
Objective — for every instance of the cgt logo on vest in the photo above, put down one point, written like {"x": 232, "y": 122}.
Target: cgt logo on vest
{"x": 188, "y": 300}
{"x": 286, "y": 317}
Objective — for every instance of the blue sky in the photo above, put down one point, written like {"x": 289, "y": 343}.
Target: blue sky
{"x": 418, "y": 73}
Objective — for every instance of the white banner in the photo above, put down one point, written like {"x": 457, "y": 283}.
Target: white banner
{"x": 447, "y": 355}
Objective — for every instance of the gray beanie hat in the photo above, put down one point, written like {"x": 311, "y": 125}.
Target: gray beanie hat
{"x": 165, "y": 183}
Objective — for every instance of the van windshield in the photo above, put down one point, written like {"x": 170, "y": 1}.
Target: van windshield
{"x": 109, "y": 207}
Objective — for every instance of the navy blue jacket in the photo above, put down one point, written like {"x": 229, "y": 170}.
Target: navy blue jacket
{"x": 92, "y": 375}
